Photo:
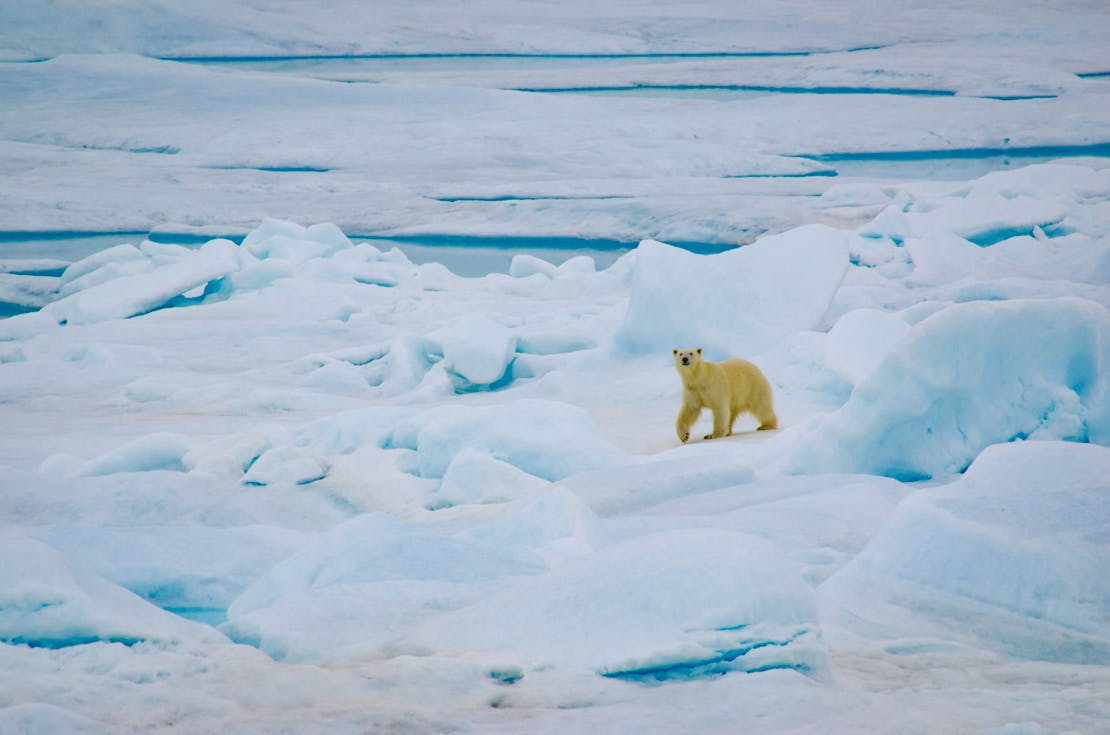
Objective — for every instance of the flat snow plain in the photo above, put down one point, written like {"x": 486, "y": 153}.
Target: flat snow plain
{"x": 258, "y": 474}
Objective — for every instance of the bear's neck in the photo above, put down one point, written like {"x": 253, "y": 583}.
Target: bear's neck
{"x": 694, "y": 377}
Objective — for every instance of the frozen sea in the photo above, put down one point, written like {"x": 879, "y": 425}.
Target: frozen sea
{"x": 336, "y": 387}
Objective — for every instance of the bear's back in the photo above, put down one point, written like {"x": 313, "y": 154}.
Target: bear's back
{"x": 746, "y": 380}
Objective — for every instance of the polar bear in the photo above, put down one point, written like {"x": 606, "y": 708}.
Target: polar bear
{"x": 727, "y": 388}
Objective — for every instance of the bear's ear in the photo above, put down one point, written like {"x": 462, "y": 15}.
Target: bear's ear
{"x": 699, "y": 350}
{"x": 674, "y": 352}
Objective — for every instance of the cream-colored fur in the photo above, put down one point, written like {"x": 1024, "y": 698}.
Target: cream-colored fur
{"x": 727, "y": 388}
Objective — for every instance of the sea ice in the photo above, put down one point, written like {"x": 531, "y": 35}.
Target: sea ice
{"x": 284, "y": 464}
{"x": 176, "y": 566}
{"x": 740, "y": 302}
{"x": 478, "y": 477}
{"x": 860, "y": 340}
{"x": 547, "y": 439}
{"x": 431, "y": 502}
{"x": 131, "y": 294}
{"x": 1009, "y": 554}
{"x": 46, "y": 601}
{"x": 476, "y": 349}
{"x": 689, "y": 604}
{"x": 363, "y": 582}
{"x": 967, "y": 377}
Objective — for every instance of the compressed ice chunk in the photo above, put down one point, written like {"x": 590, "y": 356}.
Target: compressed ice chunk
{"x": 281, "y": 247}
{"x": 397, "y": 367}
{"x": 860, "y": 340}
{"x": 555, "y": 524}
{"x": 163, "y": 252}
{"x": 269, "y": 229}
{"x": 543, "y": 438}
{"x": 967, "y": 377}
{"x": 476, "y": 349}
{"x": 287, "y": 465}
{"x": 350, "y": 431}
{"x": 739, "y": 302}
{"x": 553, "y": 342}
{"x": 105, "y": 273}
{"x": 476, "y": 477}
{"x": 943, "y": 258}
{"x": 113, "y": 255}
{"x": 328, "y": 234}
{"x": 670, "y": 605}
{"x": 136, "y": 294}
{"x": 363, "y": 582}
{"x": 176, "y": 566}
{"x": 46, "y": 601}
{"x": 524, "y": 265}
{"x": 1013, "y": 554}
{"x": 27, "y": 291}
{"x": 161, "y": 451}
{"x": 576, "y": 267}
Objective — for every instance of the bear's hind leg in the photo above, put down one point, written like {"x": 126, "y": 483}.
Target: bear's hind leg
{"x": 767, "y": 419}
{"x": 733, "y": 415}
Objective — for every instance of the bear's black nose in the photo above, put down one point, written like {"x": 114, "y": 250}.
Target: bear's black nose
{"x": 686, "y": 361}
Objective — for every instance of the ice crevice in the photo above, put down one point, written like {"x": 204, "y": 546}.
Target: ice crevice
{"x": 724, "y": 661}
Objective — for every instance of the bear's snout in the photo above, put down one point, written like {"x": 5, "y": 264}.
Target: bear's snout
{"x": 685, "y": 360}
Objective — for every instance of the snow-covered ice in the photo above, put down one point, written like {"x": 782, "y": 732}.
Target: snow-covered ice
{"x": 1010, "y": 554}
{"x": 336, "y": 391}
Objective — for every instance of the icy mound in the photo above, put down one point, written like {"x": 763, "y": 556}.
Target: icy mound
{"x": 285, "y": 464}
{"x": 1014, "y": 553}
{"x": 279, "y": 239}
{"x": 125, "y": 281}
{"x": 22, "y": 292}
{"x": 740, "y": 302}
{"x": 860, "y": 340}
{"x": 476, "y": 350}
{"x": 129, "y": 294}
{"x": 47, "y": 602}
{"x": 363, "y": 582}
{"x": 1050, "y": 199}
{"x": 546, "y": 439}
{"x": 967, "y": 377}
{"x": 668, "y": 606}
{"x": 478, "y": 477}
{"x": 160, "y": 451}
{"x": 177, "y": 567}
{"x": 819, "y": 523}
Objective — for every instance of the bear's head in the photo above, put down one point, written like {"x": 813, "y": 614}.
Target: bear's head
{"x": 687, "y": 359}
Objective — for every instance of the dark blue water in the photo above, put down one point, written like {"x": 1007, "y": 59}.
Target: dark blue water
{"x": 952, "y": 164}
{"x": 727, "y": 92}
{"x": 339, "y": 63}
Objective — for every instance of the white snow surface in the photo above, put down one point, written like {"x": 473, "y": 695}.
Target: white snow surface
{"x": 263, "y": 469}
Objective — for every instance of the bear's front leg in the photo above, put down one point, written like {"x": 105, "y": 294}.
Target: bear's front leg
{"x": 687, "y": 415}
{"x": 720, "y": 422}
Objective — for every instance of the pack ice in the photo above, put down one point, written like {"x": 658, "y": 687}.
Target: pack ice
{"x": 379, "y": 479}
